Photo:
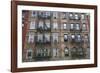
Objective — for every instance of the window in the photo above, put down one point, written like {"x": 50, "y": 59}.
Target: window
{"x": 65, "y": 26}
{"x": 78, "y": 38}
{"x": 34, "y": 13}
{"x": 55, "y": 52}
{"x": 32, "y": 25}
{"x": 63, "y": 15}
{"x": 77, "y": 26}
{"x": 82, "y": 16}
{"x": 47, "y": 24}
{"x": 66, "y": 51}
{"x": 31, "y": 38}
{"x": 72, "y": 26}
{"x": 47, "y": 13}
{"x": 86, "y": 37}
{"x": 73, "y": 36}
{"x": 65, "y": 37}
{"x": 80, "y": 52}
{"x": 74, "y": 52}
{"x": 38, "y": 52}
{"x": 45, "y": 52}
{"x": 47, "y": 37}
{"x": 42, "y": 52}
{"x": 55, "y": 15}
{"x": 71, "y": 16}
{"x": 55, "y": 37}
{"x": 55, "y": 25}
{"x": 41, "y": 24}
{"x": 40, "y": 38}
{"x": 84, "y": 27}
{"x": 76, "y": 16}
{"x": 29, "y": 54}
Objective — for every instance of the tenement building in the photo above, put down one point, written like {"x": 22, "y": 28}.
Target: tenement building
{"x": 51, "y": 35}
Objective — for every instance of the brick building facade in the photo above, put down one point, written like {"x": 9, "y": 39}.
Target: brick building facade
{"x": 49, "y": 35}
